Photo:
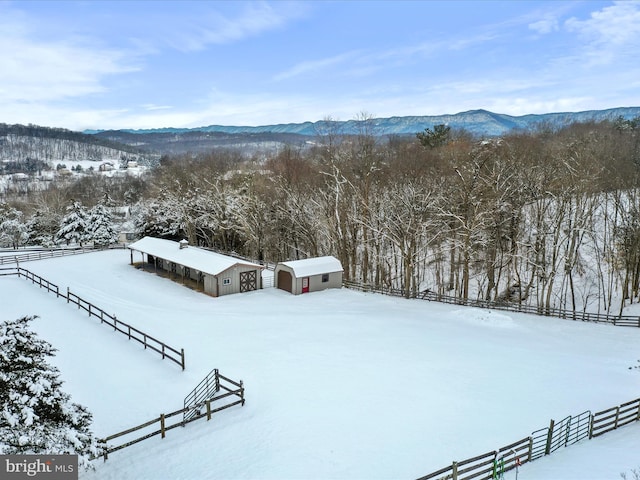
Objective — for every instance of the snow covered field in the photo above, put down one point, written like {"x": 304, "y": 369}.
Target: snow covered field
{"x": 339, "y": 384}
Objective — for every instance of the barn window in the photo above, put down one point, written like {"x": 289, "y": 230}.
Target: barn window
{"x": 325, "y": 277}
{"x": 226, "y": 281}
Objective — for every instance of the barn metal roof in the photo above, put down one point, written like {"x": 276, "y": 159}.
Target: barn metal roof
{"x": 314, "y": 266}
{"x": 192, "y": 257}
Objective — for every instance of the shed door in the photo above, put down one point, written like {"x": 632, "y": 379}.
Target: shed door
{"x": 248, "y": 281}
{"x": 305, "y": 285}
{"x": 284, "y": 281}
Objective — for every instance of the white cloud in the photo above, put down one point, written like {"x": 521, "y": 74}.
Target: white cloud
{"x": 609, "y": 34}
{"x": 313, "y": 66}
{"x": 153, "y": 107}
{"x": 545, "y": 26}
{"x": 37, "y": 70}
{"x": 218, "y": 29}
{"x": 618, "y": 24}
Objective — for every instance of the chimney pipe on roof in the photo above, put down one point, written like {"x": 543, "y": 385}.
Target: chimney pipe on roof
{"x": 183, "y": 244}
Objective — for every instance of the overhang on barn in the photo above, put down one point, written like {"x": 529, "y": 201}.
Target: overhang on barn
{"x": 211, "y": 272}
{"x": 308, "y": 275}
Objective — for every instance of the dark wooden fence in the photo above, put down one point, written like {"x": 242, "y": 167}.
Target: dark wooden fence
{"x": 132, "y": 333}
{"x": 612, "y": 418}
{"x": 545, "y": 441}
{"x": 42, "y": 254}
{"x": 617, "y": 320}
{"x": 234, "y": 395}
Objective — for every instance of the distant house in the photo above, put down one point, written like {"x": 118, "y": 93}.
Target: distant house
{"x": 308, "y": 275}
{"x": 20, "y": 177}
{"x": 211, "y": 272}
{"x": 106, "y": 167}
{"x": 126, "y": 236}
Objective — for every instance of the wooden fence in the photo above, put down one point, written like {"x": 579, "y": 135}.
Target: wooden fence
{"x": 617, "y": 320}
{"x": 42, "y": 254}
{"x": 234, "y": 395}
{"x": 545, "y": 441}
{"x": 132, "y": 333}
{"x": 612, "y": 418}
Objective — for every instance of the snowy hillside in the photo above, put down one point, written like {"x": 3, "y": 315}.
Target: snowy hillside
{"x": 339, "y": 384}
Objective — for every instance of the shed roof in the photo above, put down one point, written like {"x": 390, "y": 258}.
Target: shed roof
{"x": 314, "y": 266}
{"x": 192, "y": 257}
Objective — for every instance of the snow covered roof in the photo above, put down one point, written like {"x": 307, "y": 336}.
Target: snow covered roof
{"x": 192, "y": 257}
{"x": 314, "y": 266}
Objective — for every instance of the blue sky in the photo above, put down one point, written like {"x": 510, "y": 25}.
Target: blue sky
{"x": 121, "y": 64}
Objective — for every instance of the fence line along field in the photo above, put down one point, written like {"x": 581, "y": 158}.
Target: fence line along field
{"x": 342, "y": 384}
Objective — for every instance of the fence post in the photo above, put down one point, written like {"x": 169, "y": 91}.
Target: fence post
{"x": 242, "y": 392}
{"x": 208, "y": 410}
{"x": 217, "y": 377}
{"x": 115, "y": 322}
{"x": 129, "y": 332}
{"x": 67, "y": 294}
{"x": 454, "y": 471}
{"x": 181, "y": 356}
{"x": 89, "y": 309}
{"x": 547, "y": 449}
{"x": 163, "y": 351}
{"x": 162, "y": 425}
{"x": 591, "y": 426}
{"x": 617, "y": 415}
{"x": 530, "y": 453}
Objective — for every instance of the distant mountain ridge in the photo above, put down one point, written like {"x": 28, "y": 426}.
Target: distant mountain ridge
{"x": 480, "y": 122}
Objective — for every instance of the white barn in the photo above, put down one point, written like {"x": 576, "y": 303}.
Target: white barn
{"x": 308, "y": 275}
{"x": 211, "y": 272}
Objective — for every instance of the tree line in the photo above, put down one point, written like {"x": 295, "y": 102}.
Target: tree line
{"x": 549, "y": 217}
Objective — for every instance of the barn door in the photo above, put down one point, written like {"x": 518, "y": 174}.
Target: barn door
{"x": 248, "y": 281}
{"x": 284, "y": 281}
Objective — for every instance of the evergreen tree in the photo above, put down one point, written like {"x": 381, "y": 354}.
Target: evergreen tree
{"x": 100, "y": 226}
{"x": 42, "y": 229}
{"x": 36, "y": 416}
{"x": 13, "y": 232}
{"x": 73, "y": 226}
{"x": 440, "y": 135}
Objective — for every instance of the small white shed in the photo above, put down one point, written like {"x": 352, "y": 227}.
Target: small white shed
{"x": 212, "y": 272}
{"x": 308, "y": 275}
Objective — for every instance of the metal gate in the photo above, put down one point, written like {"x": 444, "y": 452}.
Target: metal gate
{"x": 539, "y": 443}
{"x": 567, "y": 431}
{"x": 579, "y": 428}
{"x": 248, "y": 281}
{"x": 559, "y": 434}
